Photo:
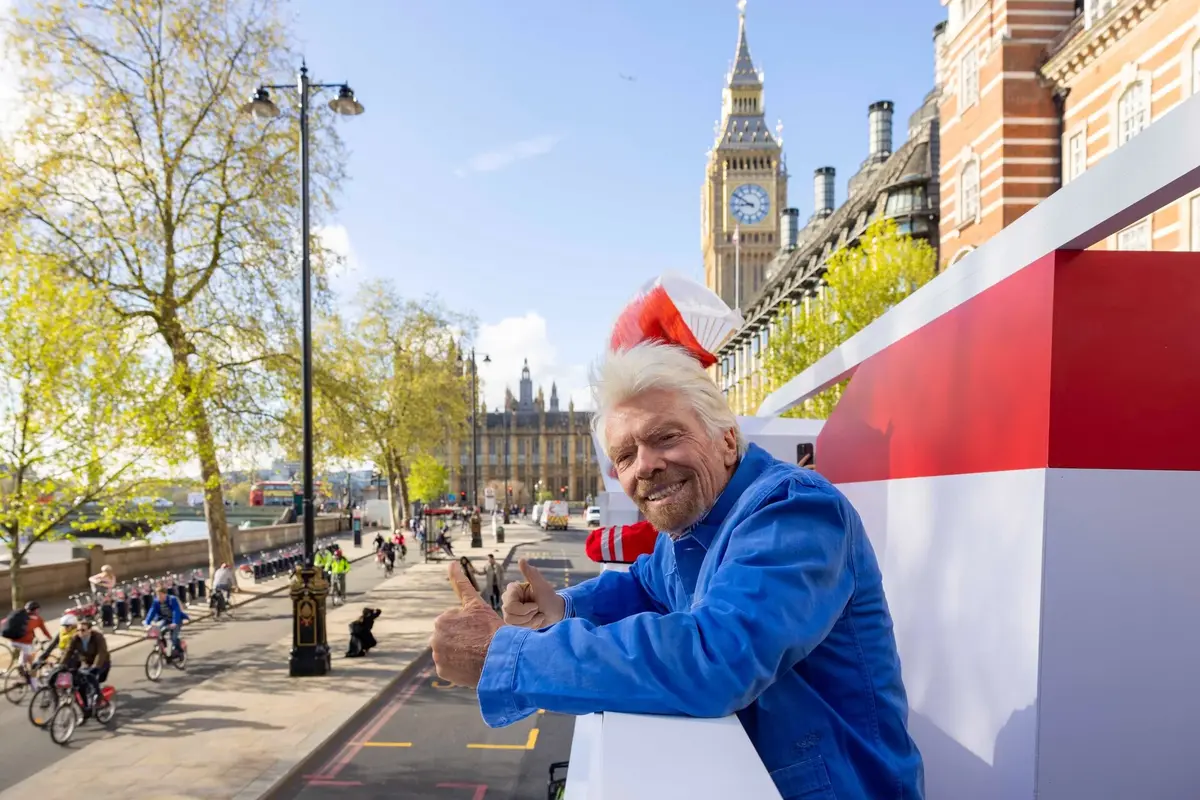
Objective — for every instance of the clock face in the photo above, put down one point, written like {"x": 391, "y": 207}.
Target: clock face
{"x": 749, "y": 203}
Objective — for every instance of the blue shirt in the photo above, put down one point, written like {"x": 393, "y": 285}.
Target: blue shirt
{"x": 173, "y": 608}
{"x": 771, "y": 607}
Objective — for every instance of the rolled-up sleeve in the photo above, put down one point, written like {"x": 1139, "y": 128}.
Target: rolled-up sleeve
{"x": 613, "y": 595}
{"x": 785, "y": 580}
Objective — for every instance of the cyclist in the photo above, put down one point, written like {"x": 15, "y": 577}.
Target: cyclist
{"x": 223, "y": 586}
{"x": 338, "y": 567}
{"x": 20, "y": 627}
{"x": 378, "y": 542}
{"x": 88, "y": 654}
{"x": 389, "y": 554}
{"x": 166, "y": 608}
{"x": 321, "y": 560}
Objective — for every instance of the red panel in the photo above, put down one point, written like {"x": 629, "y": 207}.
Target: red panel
{"x": 969, "y": 392}
{"x": 1125, "y": 392}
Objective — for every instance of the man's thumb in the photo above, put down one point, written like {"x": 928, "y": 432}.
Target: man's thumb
{"x": 462, "y": 585}
{"x": 536, "y": 582}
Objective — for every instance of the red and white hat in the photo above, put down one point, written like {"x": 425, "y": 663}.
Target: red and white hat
{"x": 674, "y": 309}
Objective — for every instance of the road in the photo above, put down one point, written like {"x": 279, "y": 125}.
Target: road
{"x": 213, "y": 647}
{"x": 425, "y": 739}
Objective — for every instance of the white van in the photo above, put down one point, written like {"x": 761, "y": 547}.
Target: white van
{"x": 555, "y": 515}
{"x": 537, "y": 513}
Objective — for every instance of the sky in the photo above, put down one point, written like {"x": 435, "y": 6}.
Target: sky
{"x": 507, "y": 163}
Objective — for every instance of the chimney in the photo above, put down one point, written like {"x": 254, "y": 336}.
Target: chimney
{"x": 789, "y": 223}
{"x": 823, "y": 191}
{"x": 880, "y": 118}
{"x": 939, "y": 41}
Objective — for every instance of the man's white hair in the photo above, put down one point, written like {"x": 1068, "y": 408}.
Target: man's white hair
{"x": 623, "y": 374}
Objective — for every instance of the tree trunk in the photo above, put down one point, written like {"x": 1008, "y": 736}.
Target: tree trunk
{"x": 14, "y": 574}
{"x": 404, "y": 504}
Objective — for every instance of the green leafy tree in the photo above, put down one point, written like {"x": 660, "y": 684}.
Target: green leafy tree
{"x": 864, "y": 281}
{"x": 134, "y": 166}
{"x": 389, "y": 386}
{"x": 428, "y": 480}
{"x": 74, "y": 445}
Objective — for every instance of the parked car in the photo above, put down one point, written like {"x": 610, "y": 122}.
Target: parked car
{"x": 592, "y": 515}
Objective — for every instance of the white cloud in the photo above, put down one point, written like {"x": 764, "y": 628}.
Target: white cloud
{"x": 503, "y": 157}
{"x": 512, "y": 340}
{"x": 336, "y": 239}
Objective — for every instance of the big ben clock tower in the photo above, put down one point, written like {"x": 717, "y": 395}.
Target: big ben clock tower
{"x": 745, "y": 186}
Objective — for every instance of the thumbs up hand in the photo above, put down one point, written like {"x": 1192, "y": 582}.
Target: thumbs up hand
{"x": 461, "y": 636}
{"x": 534, "y": 603}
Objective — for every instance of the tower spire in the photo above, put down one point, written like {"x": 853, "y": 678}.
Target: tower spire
{"x": 743, "y": 72}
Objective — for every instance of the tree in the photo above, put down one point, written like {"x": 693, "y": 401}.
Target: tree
{"x": 428, "y": 480}
{"x": 390, "y": 387}
{"x": 74, "y": 446}
{"x": 133, "y": 165}
{"x": 863, "y": 281}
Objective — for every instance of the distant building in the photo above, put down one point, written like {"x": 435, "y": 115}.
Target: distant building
{"x": 548, "y": 449}
{"x": 899, "y": 183}
{"x": 1038, "y": 91}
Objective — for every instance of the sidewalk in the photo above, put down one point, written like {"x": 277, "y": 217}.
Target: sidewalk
{"x": 244, "y": 731}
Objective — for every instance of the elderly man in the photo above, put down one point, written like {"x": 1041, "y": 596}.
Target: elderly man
{"x": 762, "y": 598}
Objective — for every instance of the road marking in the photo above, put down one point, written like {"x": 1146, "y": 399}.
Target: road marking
{"x": 480, "y": 788}
{"x": 383, "y": 744}
{"x": 323, "y": 782}
{"x": 530, "y": 743}
{"x": 436, "y": 684}
{"x": 344, "y": 756}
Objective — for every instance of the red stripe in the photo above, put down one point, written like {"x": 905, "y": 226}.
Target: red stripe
{"x": 1080, "y": 360}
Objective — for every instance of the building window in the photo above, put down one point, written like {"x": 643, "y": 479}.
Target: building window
{"x": 968, "y": 193}
{"x": 1135, "y": 237}
{"x": 968, "y": 76}
{"x": 1194, "y": 208}
{"x": 904, "y": 201}
{"x": 1133, "y": 111}
{"x": 1098, "y": 8}
{"x": 1076, "y": 155}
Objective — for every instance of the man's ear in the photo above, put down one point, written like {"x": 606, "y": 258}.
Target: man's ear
{"x": 730, "y": 450}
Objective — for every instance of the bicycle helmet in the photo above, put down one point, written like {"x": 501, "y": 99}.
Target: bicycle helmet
{"x": 68, "y": 621}
{"x": 32, "y": 605}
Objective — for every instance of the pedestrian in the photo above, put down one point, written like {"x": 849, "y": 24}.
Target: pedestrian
{"x": 493, "y": 582}
{"x": 469, "y": 570}
{"x": 361, "y": 637}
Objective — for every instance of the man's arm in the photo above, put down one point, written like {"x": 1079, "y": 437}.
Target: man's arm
{"x": 152, "y": 612}
{"x": 101, "y": 651}
{"x": 613, "y": 595}
{"x": 785, "y": 581}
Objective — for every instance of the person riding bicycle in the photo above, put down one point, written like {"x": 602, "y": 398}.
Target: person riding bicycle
{"x": 166, "y": 608}
{"x": 378, "y": 542}
{"x": 87, "y": 654}
{"x": 223, "y": 586}
{"x": 389, "y": 554}
{"x": 20, "y": 627}
{"x": 338, "y": 567}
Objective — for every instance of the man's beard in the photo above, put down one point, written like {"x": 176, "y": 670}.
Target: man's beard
{"x": 673, "y": 517}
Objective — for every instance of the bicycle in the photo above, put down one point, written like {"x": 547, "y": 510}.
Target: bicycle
{"x": 20, "y": 679}
{"x": 159, "y": 657}
{"x": 337, "y": 589}
{"x": 388, "y": 568}
{"x": 71, "y": 712}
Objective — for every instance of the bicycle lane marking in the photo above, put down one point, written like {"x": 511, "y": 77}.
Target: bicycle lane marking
{"x": 328, "y": 774}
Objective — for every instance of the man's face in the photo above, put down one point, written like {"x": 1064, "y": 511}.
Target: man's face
{"x": 665, "y": 459}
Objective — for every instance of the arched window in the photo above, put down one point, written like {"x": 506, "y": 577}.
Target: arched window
{"x": 961, "y": 254}
{"x": 1133, "y": 111}
{"x": 968, "y": 192}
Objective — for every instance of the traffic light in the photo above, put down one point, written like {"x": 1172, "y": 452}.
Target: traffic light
{"x": 462, "y": 497}
{"x": 510, "y": 491}
{"x": 564, "y": 491}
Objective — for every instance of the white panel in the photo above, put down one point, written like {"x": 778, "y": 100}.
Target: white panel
{"x": 961, "y": 557}
{"x": 1119, "y": 708}
{"x": 1158, "y": 166}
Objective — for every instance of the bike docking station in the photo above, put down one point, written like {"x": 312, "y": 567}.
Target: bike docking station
{"x": 310, "y": 649}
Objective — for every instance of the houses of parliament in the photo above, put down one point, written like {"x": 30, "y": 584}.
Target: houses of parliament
{"x": 548, "y": 449}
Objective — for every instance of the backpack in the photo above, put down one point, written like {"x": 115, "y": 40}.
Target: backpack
{"x": 15, "y": 624}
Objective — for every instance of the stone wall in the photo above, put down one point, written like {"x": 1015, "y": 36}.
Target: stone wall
{"x": 52, "y": 581}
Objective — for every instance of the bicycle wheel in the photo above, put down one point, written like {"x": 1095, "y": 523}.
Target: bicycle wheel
{"x": 41, "y": 707}
{"x": 16, "y": 684}
{"x": 105, "y": 709}
{"x": 63, "y": 723}
{"x": 181, "y": 659}
{"x": 154, "y": 664}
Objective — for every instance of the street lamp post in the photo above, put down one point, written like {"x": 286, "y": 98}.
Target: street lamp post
{"x": 310, "y": 649}
{"x": 507, "y": 499}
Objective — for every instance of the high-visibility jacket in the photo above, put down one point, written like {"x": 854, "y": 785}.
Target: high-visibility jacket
{"x": 621, "y": 544}
{"x": 339, "y": 566}
{"x": 321, "y": 559}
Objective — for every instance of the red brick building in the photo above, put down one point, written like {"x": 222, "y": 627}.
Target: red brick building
{"x": 1037, "y": 91}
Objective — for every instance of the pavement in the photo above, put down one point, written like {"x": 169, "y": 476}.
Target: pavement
{"x": 424, "y": 738}
{"x": 235, "y": 725}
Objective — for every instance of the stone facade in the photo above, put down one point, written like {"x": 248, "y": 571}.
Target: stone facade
{"x": 548, "y": 449}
